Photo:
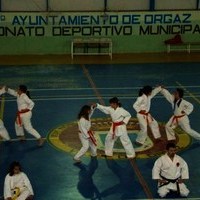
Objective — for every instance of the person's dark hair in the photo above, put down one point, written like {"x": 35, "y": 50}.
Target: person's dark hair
{"x": 24, "y": 89}
{"x": 147, "y": 89}
{"x": 84, "y": 112}
{"x": 170, "y": 145}
{"x": 115, "y": 100}
{"x": 12, "y": 166}
{"x": 140, "y": 93}
{"x": 180, "y": 92}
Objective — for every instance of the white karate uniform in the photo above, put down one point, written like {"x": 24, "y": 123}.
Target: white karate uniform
{"x": 144, "y": 103}
{"x": 24, "y": 102}
{"x": 118, "y": 115}
{"x": 20, "y": 181}
{"x": 84, "y": 126}
{"x": 169, "y": 169}
{"x": 3, "y": 132}
{"x": 182, "y": 119}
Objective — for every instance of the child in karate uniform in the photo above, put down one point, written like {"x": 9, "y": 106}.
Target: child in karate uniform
{"x": 86, "y": 135}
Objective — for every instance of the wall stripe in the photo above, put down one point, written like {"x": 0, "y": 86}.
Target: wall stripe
{"x": 198, "y": 4}
{"x": 151, "y": 5}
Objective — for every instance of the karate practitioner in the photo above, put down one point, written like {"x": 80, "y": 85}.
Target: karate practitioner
{"x": 24, "y": 114}
{"x": 170, "y": 170}
{"x": 85, "y": 134}
{"x": 182, "y": 109}
{"x": 120, "y": 118}
{"x": 3, "y": 132}
{"x": 17, "y": 185}
{"x": 142, "y": 107}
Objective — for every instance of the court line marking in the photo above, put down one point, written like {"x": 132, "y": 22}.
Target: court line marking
{"x": 1, "y": 198}
{"x": 141, "y": 179}
{"x": 170, "y": 199}
{"x": 192, "y": 198}
{"x": 89, "y": 98}
{"x": 18, "y": 140}
{"x": 2, "y": 106}
{"x": 93, "y": 85}
{"x": 133, "y": 164}
{"x": 102, "y": 88}
{"x": 188, "y": 92}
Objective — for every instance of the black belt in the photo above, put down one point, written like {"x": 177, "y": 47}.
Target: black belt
{"x": 171, "y": 181}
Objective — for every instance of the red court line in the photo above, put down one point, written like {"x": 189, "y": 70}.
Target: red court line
{"x": 132, "y": 161}
{"x": 141, "y": 179}
{"x": 96, "y": 91}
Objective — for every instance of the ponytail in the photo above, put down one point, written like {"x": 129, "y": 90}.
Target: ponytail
{"x": 140, "y": 93}
{"x": 84, "y": 112}
{"x": 24, "y": 89}
{"x": 145, "y": 90}
{"x": 115, "y": 100}
{"x": 28, "y": 94}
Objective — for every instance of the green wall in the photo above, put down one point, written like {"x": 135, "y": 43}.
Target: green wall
{"x": 24, "y": 41}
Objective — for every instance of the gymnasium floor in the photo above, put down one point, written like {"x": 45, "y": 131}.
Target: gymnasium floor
{"x": 59, "y": 91}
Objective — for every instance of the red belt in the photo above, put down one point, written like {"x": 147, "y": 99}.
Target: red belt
{"x": 175, "y": 119}
{"x": 146, "y": 115}
{"x": 115, "y": 124}
{"x": 92, "y": 138}
{"x": 18, "y": 119}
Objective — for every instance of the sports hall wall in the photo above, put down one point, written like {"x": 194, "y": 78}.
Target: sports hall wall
{"x": 49, "y": 26}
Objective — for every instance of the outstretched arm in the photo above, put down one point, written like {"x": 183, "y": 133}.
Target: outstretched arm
{"x": 11, "y": 92}
{"x": 92, "y": 110}
{"x": 155, "y": 91}
{"x": 104, "y": 109}
{"x": 167, "y": 95}
{"x": 2, "y": 90}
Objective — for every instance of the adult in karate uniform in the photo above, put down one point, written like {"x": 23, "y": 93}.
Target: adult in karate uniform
{"x": 17, "y": 185}
{"x": 85, "y": 134}
{"x": 3, "y": 132}
{"x": 24, "y": 114}
{"x": 181, "y": 109}
{"x": 120, "y": 118}
{"x": 142, "y": 106}
{"x": 170, "y": 170}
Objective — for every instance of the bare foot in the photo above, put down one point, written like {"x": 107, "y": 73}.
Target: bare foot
{"x": 41, "y": 142}
{"x": 138, "y": 144}
{"x": 76, "y": 160}
{"x": 22, "y": 138}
